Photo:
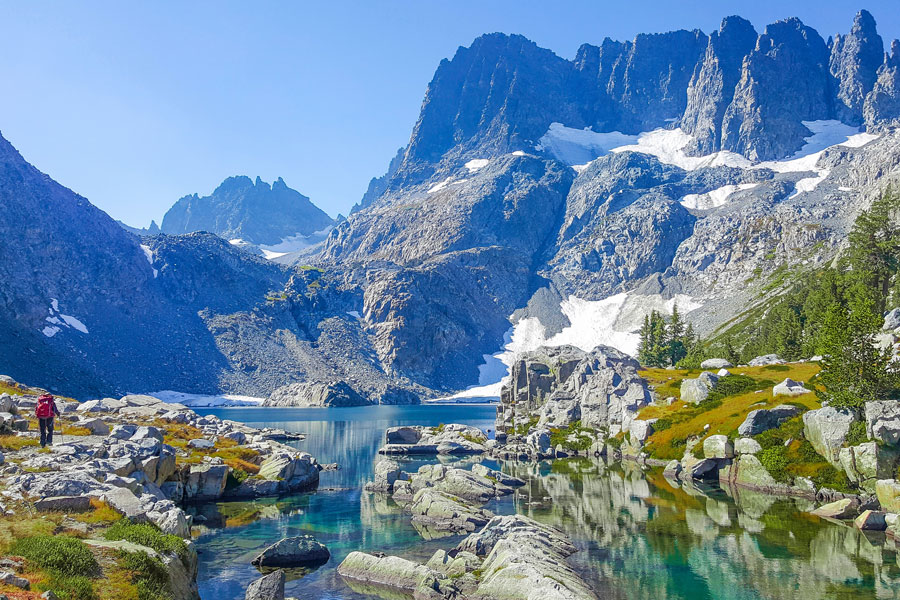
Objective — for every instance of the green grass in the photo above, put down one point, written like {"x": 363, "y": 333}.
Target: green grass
{"x": 148, "y": 535}
{"x": 724, "y": 410}
{"x": 67, "y": 561}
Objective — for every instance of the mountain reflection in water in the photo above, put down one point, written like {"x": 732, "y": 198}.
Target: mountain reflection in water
{"x": 640, "y": 535}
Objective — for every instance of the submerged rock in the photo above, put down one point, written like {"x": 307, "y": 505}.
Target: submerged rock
{"x": 442, "y": 511}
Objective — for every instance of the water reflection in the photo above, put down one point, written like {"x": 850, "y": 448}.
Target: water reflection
{"x": 640, "y": 535}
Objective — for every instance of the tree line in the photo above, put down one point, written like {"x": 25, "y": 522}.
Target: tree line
{"x": 835, "y": 313}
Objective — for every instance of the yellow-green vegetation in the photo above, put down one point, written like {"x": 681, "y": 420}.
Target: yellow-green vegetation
{"x": 750, "y": 388}
{"x": 279, "y": 297}
{"x": 75, "y": 430}
{"x": 311, "y": 268}
{"x": 235, "y": 456}
{"x": 101, "y": 514}
{"x": 11, "y": 443}
{"x": 797, "y": 458}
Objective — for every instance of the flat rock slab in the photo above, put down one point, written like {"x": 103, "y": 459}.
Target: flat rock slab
{"x": 63, "y": 504}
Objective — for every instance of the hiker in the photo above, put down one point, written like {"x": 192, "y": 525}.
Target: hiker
{"x": 45, "y": 411}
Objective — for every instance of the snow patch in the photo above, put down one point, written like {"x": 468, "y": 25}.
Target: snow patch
{"x": 200, "y": 400}
{"x": 475, "y": 164}
{"x": 518, "y": 153}
{"x": 668, "y": 146}
{"x": 439, "y": 186}
{"x": 580, "y": 146}
{"x": 289, "y": 244}
{"x": 149, "y": 254}
{"x": 58, "y": 321}
{"x": 714, "y": 198}
{"x": 613, "y": 321}
{"x": 355, "y": 314}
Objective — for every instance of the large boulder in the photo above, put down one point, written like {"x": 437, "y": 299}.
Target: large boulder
{"x": 826, "y": 429}
{"x": 387, "y": 471}
{"x": 845, "y": 508}
{"x": 892, "y": 320}
{"x": 765, "y": 360}
{"x": 267, "y": 587}
{"x": 868, "y": 462}
{"x": 640, "y": 430}
{"x": 715, "y": 363}
{"x": 293, "y": 552}
{"x": 747, "y": 445}
{"x": 297, "y": 472}
{"x": 205, "y": 482}
{"x": 763, "y": 419}
{"x": 888, "y": 493}
{"x": 718, "y": 446}
{"x": 316, "y": 394}
{"x": 386, "y": 571}
{"x": 789, "y": 387}
{"x": 452, "y": 438}
{"x": 695, "y": 391}
{"x": 883, "y": 421}
{"x": 402, "y": 435}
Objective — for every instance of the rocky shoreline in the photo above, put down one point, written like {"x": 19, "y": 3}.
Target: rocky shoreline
{"x": 145, "y": 461}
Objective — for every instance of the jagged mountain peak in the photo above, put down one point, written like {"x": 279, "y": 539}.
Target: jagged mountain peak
{"x": 250, "y": 210}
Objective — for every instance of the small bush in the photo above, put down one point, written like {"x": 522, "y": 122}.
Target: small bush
{"x": 734, "y": 385}
{"x": 148, "y": 535}
{"x": 70, "y": 587}
{"x": 615, "y": 442}
{"x": 102, "y": 513}
{"x": 235, "y": 478}
{"x": 662, "y": 424}
{"x": 857, "y": 434}
{"x": 775, "y": 461}
{"x": 830, "y": 477}
{"x": 148, "y": 573}
{"x": 62, "y": 554}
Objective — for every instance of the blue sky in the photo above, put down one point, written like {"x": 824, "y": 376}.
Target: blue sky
{"x": 134, "y": 105}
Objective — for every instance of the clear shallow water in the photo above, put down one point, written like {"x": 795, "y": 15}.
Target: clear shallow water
{"x": 640, "y": 536}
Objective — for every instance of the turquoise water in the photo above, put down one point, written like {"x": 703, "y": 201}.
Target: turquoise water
{"x": 640, "y": 536}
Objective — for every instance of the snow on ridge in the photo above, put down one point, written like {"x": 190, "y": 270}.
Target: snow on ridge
{"x": 581, "y": 146}
{"x": 476, "y": 164}
{"x": 578, "y": 147}
{"x": 518, "y": 153}
{"x": 201, "y": 400}
{"x": 613, "y": 321}
{"x": 714, "y": 198}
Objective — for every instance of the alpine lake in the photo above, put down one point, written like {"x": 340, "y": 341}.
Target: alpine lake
{"x": 640, "y": 535}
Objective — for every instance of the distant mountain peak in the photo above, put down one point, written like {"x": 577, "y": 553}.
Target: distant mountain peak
{"x": 248, "y": 209}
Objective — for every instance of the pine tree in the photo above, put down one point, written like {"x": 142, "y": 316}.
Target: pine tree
{"x": 677, "y": 348}
{"x": 874, "y": 254}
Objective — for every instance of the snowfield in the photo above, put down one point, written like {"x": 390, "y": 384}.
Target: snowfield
{"x": 714, "y": 198}
{"x": 200, "y": 400}
{"x": 613, "y": 321}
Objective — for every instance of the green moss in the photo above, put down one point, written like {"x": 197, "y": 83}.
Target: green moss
{"x": 775, "y": 461}
{"x": 525, "y": 428}
{"x": 235, "y": 478}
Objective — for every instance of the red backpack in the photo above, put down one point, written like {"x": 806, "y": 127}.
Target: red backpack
{"x": 44, "y": 409}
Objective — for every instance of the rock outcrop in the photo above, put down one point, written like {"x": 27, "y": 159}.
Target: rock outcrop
{"x": 316, "y": 394}
{"x": 561, "y": 385}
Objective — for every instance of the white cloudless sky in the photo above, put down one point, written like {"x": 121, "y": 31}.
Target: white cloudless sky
{"x": 134, "y": 105}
